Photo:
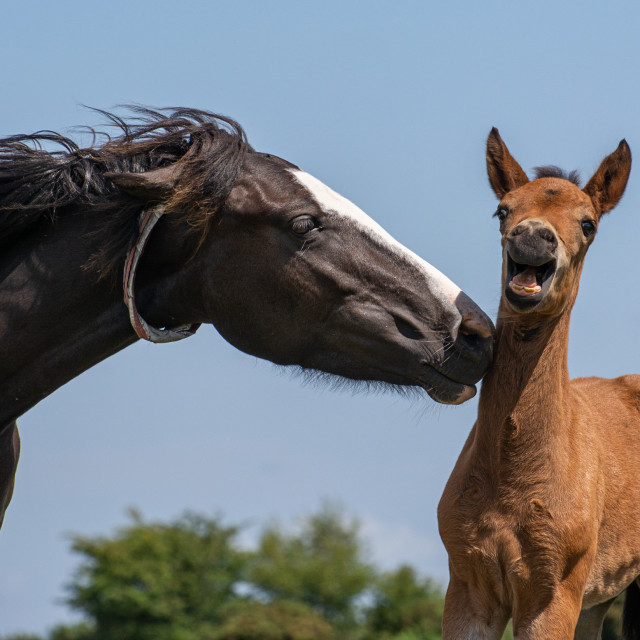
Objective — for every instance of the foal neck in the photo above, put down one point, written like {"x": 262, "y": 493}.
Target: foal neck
{"x": 523, "y": 407}
{"x": 530, "y": 357}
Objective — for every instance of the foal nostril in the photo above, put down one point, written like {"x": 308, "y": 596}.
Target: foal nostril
{"x": 530, "y": 238}
{"x": 549, "y": 236}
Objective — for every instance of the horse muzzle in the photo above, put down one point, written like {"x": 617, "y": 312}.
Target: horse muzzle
{"x": 466, "y": 356}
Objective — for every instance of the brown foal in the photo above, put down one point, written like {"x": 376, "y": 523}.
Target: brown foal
{"x": 541, "y": 515}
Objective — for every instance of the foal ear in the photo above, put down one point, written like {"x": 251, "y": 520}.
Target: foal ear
{"x": 157, "y": 184}
{"x": 608, "y": 183}
{"x": 505, "y": 174}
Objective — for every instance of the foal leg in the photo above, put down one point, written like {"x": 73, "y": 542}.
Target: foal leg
{"x": 9, "y": 454}
{"x": 554, "y": 619}
{"x": 590, "y": 621}
{"x": 470, "y": 616}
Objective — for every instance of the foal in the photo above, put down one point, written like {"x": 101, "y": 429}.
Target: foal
{"x": 540, "y": 516}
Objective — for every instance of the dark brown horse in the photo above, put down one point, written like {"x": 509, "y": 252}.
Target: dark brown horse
{"x": 541, "y": 514}
{"x": 282, "y": 266}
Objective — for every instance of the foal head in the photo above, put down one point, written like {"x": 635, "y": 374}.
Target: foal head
{"x": 547, "y": 225}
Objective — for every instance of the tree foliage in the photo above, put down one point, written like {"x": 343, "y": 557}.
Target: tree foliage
{"x": 155, "y": 581}
{"x": 404, "y": 602}
{"x": 612, "y": 627}
{"x": 278, "y": 620}
{"x": 322, "y": 566}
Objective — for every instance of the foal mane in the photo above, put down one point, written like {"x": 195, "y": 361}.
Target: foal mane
{"x": 551, "y": 171}
{"x": 38, "y": 184}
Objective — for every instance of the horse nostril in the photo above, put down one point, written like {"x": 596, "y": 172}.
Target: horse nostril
{"x": 475, "y": 340}
{"x": 472, "y": 326}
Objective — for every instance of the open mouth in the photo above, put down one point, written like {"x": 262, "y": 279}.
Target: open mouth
{"x": 527, "y": 284}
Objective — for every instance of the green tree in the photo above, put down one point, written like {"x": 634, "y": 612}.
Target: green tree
{"x": 155, "y": 581}
{"x": 612, "y": 627}
{"x": 278, "y": 620}
{"x": 322, "y": 567}
{"x": 188, "y": 580}
{"x": 405, "y": 606}
{"x": 81, "y": 631}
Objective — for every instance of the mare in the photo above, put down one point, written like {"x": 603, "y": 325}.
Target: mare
{"x": 284, "y": 268}
{"x": 540, "y": 516}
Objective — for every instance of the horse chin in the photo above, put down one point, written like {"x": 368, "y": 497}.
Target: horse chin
{"x": 445, "y": 390}
{"x": 439, "y": 387}
{"x": 467, "y": 392}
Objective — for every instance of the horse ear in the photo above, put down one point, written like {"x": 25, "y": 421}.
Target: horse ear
{"x": 157, "y": 184}
{"x": 610, "y": 180}
{"x": 505, "y": 174}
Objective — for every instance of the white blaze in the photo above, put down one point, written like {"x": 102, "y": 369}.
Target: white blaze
{"x": 331, "y": 202}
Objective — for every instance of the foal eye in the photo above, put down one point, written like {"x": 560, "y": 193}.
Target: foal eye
{"x": 588, "y": 228}
{"x": 501, "y": 214}
{"x": 303, "y": 224}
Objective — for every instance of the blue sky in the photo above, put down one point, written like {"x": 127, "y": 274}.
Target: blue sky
{"x": 388, "y": 103}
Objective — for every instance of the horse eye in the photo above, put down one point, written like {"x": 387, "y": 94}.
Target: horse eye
{"x": 588, "y": 228}
{"x": 501, "y": 214}
{"x": 303, "y": 224}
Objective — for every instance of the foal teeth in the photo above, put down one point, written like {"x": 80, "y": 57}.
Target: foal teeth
{"x": 519, "y": 288}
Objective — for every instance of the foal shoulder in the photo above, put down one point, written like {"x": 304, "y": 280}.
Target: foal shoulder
{"x": 622, "y": 384}
{"x": 628, "y": 388}
{"x": 610, "y": 395}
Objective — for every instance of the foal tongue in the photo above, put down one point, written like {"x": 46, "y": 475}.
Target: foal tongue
{"x": 526, "y": 278}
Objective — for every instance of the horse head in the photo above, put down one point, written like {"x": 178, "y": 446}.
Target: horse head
{"x": 288, "y": 270}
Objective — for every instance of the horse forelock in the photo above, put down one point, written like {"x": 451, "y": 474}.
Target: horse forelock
{"x": 39, "y": 181}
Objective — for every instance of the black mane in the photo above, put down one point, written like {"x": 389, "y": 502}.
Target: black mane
{"x": 551, "y": 171}
{"x": 37, "y": 184}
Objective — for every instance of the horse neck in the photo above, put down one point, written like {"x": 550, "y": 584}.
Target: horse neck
{"x": 523, "y": 405}
{"x": 59, "y": 318}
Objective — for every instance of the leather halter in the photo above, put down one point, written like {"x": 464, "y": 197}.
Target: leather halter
{"x": 147, "y": 221}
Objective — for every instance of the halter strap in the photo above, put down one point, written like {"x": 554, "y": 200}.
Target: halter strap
{"x": 148, "y": 220}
